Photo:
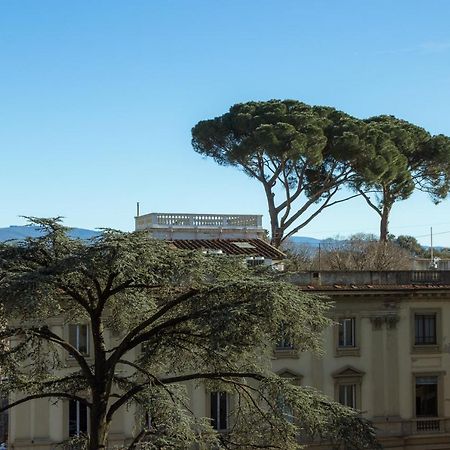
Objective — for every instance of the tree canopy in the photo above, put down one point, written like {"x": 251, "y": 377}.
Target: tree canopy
{"x": 158, "y": 318}
{"x": 409, "y": 158}
{"x": 302, "y": 153}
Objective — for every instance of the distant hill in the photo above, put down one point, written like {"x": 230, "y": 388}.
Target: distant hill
{"x": 19, "y": 232}
{"x": 304, "y": 240}
{"x": 309, "y": 244}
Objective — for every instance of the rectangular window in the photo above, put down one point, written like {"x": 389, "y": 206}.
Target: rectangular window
{"x": 77, "y": 418}
{"x": 219, "y": 410}
{"x": 79, "y": 338}
{"x": 426, "y": 397}
{"x": 347, "y": 332}
{"x": 347, "y": 395}
{"x": 286, "y": 408}
{"x": 285, "y": 341}
{"x": 425, "y": 329}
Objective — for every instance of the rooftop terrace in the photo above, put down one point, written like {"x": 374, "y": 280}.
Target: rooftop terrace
{"x": 169, "y": 220}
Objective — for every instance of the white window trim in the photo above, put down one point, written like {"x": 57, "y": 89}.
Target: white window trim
{"x": 347, "y": 350}
{"x": 78, "y": 418}
{"x": 217, "y": 409}
{"x": 353, "y": 394}
{"x": 76, "y": 344}
{"x": 352, "y": 339}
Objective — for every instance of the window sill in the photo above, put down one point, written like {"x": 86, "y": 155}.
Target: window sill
{"x": 347, "y": 351}
{"x": 72, "y": 362}
{"x": 285, "y": 353}
{"x": 426, "y": 348}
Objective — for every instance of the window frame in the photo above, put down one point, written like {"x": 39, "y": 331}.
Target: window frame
{"x": 288, "y": 349}
{"x": 354, "y": 395}
{"x": 78, "y": 418}
{"x": 348, "y": 376}
{"x": 295, "y": 379}
{"x": 353, "y": 350}
{"x": 76, "y": 344}
{"x": 426, "y": 347}
{"x": 218, "y": 420}
{"x": 342, "y": 323}
{"x": 439, "y": 390}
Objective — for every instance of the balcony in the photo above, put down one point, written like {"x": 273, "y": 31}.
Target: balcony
{"x": 429, "y": 425}
{"x": 396, "y": 426}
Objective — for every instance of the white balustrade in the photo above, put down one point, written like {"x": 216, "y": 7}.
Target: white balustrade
{"x": 159, "y": 220}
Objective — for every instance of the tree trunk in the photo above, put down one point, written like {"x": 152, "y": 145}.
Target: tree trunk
{"x": 384, "y": 224}
{"x": 277, "y": 236}
{"x": 275, "y": 230}
{"x": 99, "y": 426}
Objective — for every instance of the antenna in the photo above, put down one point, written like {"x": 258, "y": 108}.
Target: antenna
{"x": 431, "y": 247}
{"x": 137, "y": 209}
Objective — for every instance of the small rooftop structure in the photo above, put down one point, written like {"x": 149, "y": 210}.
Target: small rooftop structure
{"x": 171, "y": 226}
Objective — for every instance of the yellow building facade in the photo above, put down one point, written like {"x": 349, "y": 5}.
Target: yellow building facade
{"x": 387, "y": 355}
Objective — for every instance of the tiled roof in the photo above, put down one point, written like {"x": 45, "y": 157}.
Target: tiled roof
{"x": 239, "y": 247}
{"x": 371, "y": 287}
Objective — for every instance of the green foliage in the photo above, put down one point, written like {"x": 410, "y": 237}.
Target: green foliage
{"x": 303, "y": 155}
{"x": 160, "y": 318}
{"x": 300, "y": 152}
{"x": 407, "y": 158}
{"x": 410, "y": 244}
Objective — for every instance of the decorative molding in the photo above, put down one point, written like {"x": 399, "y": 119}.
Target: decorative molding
{"x": 379, "y": 320}
{"x": 347, "y": 372}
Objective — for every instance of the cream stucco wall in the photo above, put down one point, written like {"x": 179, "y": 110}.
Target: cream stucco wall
{"x": 386, "y": 362}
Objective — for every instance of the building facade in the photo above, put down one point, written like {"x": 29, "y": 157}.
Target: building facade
{"x": 387, "y": 354}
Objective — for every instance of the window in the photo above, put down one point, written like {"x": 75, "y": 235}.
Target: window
{"x": 284, "y": 342}
{"x": 79, "y": 338}
{"x": 219, "y": 410}
{"x": 347, "y": 332}
{"x": 77, "y": 418}
{"x": 347, "y": 395}
{"x": 147, "y": 420}
{"x": 425, "y": 329}
{"x": 427, "y": 396}
{"x": 348, "y": 382}
{"x": 286, "y": 408}
{"x": 255, "y": 261}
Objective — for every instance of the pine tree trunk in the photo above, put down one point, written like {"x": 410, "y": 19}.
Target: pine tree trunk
{"x": 277, "y": 237}
{"x": 276, "y": 232}
{"x": 384, "y": 224}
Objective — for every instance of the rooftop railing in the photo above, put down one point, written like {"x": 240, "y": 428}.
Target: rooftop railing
{"x": 162, "y": 220}
{"x": 365, "y": 277}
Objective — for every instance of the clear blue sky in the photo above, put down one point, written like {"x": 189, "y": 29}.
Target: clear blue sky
{"x": 98, "y": 98}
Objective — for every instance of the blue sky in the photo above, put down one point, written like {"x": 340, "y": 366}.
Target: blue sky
{"x": 98, "y": 99}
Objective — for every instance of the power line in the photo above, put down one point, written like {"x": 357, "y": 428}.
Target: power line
{"x": 434, "y": 234}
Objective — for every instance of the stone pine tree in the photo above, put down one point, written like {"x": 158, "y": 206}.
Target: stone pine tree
{"x": 302, "y": 155}
{"x": 159, "y": 318}
{"x": 407, "y": 158}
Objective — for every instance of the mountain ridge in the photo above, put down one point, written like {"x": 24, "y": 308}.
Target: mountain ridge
{"x": 19, "y": 232}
